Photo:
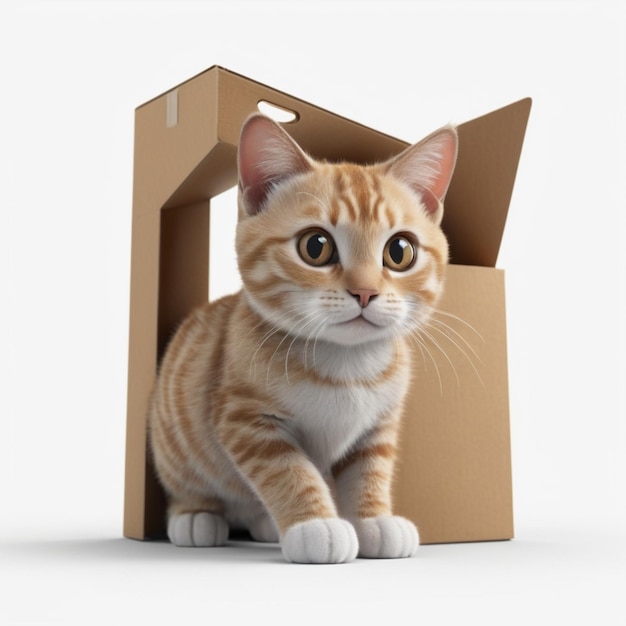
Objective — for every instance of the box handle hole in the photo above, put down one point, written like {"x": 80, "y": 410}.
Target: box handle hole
{"x": 277, "y": 113}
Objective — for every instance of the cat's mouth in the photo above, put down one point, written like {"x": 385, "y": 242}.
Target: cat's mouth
{"x": 359, "y": 320}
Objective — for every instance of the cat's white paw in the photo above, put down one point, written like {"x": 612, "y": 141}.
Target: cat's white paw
{"x": 200, "y": 529}
{"x": 386, "y": 537}
{"x": 320, "y": 541}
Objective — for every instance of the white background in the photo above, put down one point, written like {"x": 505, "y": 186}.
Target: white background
{"x": 72, "y": 74}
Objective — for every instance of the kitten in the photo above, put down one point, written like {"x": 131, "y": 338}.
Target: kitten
{"x": 277, "y": 409}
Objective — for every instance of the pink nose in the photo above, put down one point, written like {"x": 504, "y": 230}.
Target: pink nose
{"x": 364, "y": 295}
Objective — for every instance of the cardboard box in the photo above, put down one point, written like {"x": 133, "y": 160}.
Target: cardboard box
{"x": 454, "y": 474}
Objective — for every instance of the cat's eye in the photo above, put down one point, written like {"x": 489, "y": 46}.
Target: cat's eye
{"x": 400, "y": 253}
{"x": 317, "y": 248}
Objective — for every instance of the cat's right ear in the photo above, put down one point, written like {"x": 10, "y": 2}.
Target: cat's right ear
{"x": 267, "y": 155}
{"x": 427, "y": 168}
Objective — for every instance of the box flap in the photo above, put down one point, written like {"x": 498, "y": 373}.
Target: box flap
{"x": 235, "y": 98}
{"x": 478, "y": 199}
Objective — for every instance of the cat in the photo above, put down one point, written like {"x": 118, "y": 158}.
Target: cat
{"x": 277, "y": 409}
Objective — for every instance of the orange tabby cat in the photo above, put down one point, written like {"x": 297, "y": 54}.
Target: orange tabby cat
{"x": 277, "y": 409}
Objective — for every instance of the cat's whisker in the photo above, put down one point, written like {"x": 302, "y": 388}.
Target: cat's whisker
{"x": 316, "y": 337}
{"x": 287, "y": 358}
{"x": 416, "y": 336}
{"x": 445, "y": 354}
{"x": 461, "y": 350}
{"x": 268, "y": 335}
{"x": 291, "y": 316}
{"x": 285, "y": 316}
{"x": 269, "y": 364}
{"x": 437, "y": 311}
{"x": 312, "y": 318}
{"x": 276, "y": 328}
{"x": 261, "y": 343}
{"x": 444, "y": 328}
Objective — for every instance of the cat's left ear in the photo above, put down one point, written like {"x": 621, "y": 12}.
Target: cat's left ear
{"x": 267, "y": 156}
{"x": 427, "y": 168}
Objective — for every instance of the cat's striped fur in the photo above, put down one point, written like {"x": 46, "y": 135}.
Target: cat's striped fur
{"x": 277, "y": 409}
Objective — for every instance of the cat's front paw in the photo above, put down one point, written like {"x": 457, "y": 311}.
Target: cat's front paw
{"x": 320, "y": 541}
{"x": 199, "y": 529}
{"x": 386, "y": 537}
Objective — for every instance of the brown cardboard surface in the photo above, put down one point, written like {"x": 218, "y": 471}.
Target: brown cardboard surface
{"x": 477, "y": 201}
{"x": 185, "y": 154}
{"x": 454, "y": 478}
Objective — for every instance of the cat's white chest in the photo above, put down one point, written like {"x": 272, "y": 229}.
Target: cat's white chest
{"x": 328, "y": 418}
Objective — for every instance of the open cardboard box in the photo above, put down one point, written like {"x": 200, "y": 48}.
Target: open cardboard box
{"x": 454, "y": 471}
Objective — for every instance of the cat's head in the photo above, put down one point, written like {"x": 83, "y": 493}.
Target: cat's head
{"x": 341, "y": 252}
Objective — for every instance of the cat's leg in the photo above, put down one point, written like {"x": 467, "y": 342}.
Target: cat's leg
{"x": 289, "y": 485}
{"x": 195, "y": 523}
{"x": 363, "y": 483}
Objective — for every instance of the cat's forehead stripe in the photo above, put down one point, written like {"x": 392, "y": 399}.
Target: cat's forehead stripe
{"x": 358, "y": 192}
{"x": 390, "y": 217}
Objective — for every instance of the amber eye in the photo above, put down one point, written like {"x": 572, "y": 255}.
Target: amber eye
{"x": 399, "y": 253}
{"x": 317, "y": 248}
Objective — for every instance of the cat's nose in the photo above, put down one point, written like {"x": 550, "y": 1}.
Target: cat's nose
{"x": 364, "y": 295}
